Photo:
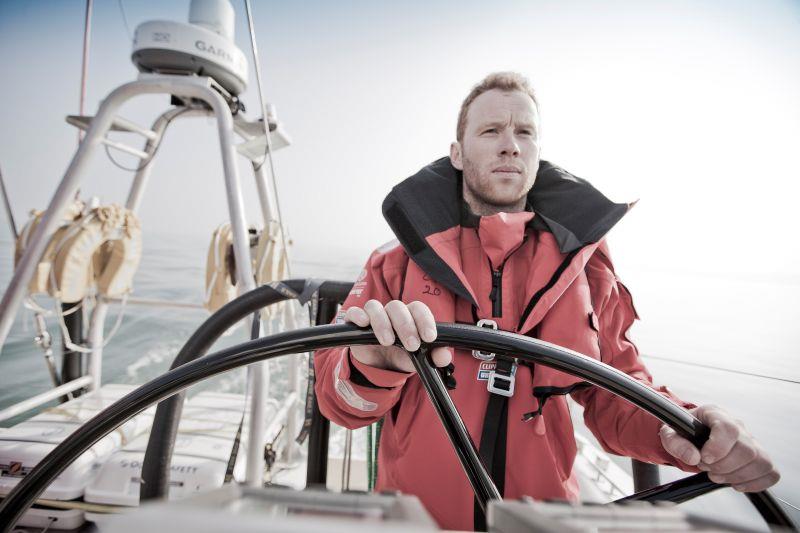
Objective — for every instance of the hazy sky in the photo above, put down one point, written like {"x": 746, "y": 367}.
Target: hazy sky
{"x": 693, "y": 107}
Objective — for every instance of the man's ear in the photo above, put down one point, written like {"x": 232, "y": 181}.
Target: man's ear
{"x": 455, "y": 155}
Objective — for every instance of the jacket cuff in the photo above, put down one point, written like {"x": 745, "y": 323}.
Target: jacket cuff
{"x": 370, "y": 376}
{"x": 669, "y": 458}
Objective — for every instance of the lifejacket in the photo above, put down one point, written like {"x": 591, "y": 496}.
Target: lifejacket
{"x": 100, "y": 247}
{"x": 269, "y": 261}
{"x": 270, "y": 264}
{"x": 41, "y": 277}
{"x": 220, "y": 269}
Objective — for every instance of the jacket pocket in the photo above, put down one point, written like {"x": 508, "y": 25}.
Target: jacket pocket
{"x": 404, "y": 411}
{"x": 561, "y": 437}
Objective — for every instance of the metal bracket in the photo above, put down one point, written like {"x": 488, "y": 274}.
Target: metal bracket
{"x": 489, "y": 324}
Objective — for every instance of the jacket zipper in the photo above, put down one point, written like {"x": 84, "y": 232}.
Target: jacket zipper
{"x": 536, "y": 297}
{"x": 496, "y": 294}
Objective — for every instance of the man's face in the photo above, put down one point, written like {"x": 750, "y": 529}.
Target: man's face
{"x": 499, "y": 152}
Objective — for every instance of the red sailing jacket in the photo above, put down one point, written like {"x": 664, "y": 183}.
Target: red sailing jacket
{"x": 545, "y": 272}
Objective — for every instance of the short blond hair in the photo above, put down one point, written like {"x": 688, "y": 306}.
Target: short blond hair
{"x": 505, "y": 81}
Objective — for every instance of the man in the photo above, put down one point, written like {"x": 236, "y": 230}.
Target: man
{"x": 493, "y": 234}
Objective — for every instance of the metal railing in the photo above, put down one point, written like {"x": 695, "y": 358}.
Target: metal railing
{"x": 40, "y": 399}
{"x": 212, "y": 100}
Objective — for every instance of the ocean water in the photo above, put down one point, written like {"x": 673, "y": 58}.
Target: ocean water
{"x": 731, "y": 341}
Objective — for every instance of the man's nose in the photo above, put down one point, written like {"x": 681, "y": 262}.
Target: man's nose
{"x": 509, "y": 144}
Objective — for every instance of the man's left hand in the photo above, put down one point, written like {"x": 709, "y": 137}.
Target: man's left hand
{"x": 730, "y": 455}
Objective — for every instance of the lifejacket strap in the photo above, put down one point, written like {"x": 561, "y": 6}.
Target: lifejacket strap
{"x": 447, "y": 373}
{"x": 543, "y": 393}
{"x": 493, "y": 449}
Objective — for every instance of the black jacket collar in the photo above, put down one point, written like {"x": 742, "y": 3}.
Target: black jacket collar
{"x": 431, "y": 201}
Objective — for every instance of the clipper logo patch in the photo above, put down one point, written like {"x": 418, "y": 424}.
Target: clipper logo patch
{"x": 484, "y": 369}
{"x": 358, "y": 286}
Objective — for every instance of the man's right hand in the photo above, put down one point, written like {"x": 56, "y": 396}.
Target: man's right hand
{"x": 410, "y": 323}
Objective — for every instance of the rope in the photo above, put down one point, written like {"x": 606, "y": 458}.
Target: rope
{"x": 65, "y": 331}
{"x": 47, "y": 527}
{"x": 722, "y": 369}
{"x": 30, "y": 304}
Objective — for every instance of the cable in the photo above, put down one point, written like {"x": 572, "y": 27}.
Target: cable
{"x": 125, "y": 20}
{"x": 787, "y": 503}
{"x": 257, "y": 67}
{"x": 721, "y": 369}
{"x": 268, "y": 147}
{"x": 87, "y": 31}
{"x": 7, "y": 202}
{"x": 155, "y": 148}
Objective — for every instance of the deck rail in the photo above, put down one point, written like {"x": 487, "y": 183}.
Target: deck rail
{"x": 53, "y": 394}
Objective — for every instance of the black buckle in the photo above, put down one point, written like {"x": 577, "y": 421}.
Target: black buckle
{"x": 502, "y": 378}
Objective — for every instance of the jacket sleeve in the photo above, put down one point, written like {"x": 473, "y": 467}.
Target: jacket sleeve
{"x": 350, "y": 393}
{"x": 619, "y": 426}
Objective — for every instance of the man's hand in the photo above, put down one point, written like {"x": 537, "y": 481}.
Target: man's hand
{"x": 410, "y": 322}
{"x": 730, "y": 455}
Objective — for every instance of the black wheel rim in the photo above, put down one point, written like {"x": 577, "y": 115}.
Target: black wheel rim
{"x": 319, "y": 337}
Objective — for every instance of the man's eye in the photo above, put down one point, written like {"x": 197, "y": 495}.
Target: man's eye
{"x": 526, "y": 132}
{"x": 490, "y": 130}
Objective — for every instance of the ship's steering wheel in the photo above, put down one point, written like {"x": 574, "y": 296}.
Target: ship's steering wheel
{"x": 456, "y": 335}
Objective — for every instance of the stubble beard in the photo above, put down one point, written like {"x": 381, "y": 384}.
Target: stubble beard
{"x": 480, "y": 199}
